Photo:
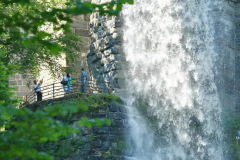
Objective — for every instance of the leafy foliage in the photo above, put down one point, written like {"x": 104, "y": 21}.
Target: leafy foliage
{"x": 24, "y": 45}
{"x": 109, "y": 154}
{"x": 25, "y": 128}
{"x": 97, "y": 101}
{"x": 60, "y": 149}
{"x": 36, "y": 33}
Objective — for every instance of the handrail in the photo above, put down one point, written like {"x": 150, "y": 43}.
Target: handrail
{"x": 55, "y": 90}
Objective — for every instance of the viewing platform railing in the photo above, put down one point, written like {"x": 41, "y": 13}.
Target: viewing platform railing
{"x": 56, "y": 90}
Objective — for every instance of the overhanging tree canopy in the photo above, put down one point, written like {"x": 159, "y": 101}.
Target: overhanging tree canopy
{"x": 28, "y": 46}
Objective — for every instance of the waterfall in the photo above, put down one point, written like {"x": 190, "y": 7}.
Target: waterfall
{"x": 171, "y": 93}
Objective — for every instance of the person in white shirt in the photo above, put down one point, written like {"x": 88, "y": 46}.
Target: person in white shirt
{"x": 37, "y": 88}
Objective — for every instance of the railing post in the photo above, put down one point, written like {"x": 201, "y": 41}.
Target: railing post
{"x": 53, "y": 90}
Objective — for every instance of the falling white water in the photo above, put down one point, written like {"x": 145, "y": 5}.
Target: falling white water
{"x": 169, "y": 50}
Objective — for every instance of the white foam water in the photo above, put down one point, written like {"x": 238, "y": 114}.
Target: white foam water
{"x": 168, "y": 45}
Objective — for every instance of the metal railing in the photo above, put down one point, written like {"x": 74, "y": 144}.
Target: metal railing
{"x": 56, "y": 90}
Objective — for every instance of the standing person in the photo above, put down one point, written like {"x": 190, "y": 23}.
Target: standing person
{"x": 37, "y": 88}
{"x": 83, "y": 81}
{"x": 238, "y": 137}
{"x": 65, "y": 82}
{"x": 69, "y": 82}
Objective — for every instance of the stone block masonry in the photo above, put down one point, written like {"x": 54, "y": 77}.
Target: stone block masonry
{"x": 106, "y": 59}
{"x": 20, "y": 85}
{"x": 80, "y": 27}
{"x": 101, "y": 54}
{"x": 105, "y": 142}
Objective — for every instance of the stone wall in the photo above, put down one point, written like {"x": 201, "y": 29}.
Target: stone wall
{"x": 97, "y": 143}
{"x": 107, "y": 142}
{"x": 106, "y": 59}
{"x": 101, "y": 54}
{"x": 80, "y": 27}
{"x": 18, "y": 82}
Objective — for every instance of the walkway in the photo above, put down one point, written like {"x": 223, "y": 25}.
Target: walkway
{"x": 55, "y": 90}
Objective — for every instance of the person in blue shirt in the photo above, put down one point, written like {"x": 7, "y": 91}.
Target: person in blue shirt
{"x": 83, "y": 88}
{"x": 69, "y": 82}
